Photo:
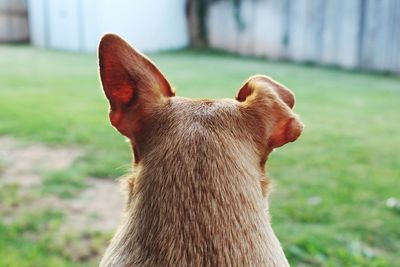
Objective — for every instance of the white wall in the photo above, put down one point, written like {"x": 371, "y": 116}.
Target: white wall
{"x": 78, "y": 24}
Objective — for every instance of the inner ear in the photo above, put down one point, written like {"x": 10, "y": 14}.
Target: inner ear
{"x": 286, "y": 131}
{"x": 123, "y": 69}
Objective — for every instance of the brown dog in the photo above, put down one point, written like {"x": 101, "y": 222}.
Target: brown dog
{"x": 199, "y": 194}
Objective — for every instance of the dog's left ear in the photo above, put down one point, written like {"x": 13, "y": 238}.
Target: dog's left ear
{"x": 269, "y": 105}
{"x": 134, "y": 87}
{"x": 132, "y": 84}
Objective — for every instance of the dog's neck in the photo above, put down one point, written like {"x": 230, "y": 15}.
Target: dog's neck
{"x": 195, "y": 208}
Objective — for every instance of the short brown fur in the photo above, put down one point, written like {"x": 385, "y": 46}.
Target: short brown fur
{"x": 199, "y": 193}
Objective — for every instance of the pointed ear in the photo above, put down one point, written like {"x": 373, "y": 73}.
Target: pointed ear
{"x": 131, "y": 83}
{"x": 272, "y": 103}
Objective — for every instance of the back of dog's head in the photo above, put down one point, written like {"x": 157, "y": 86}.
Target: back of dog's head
{"x": 189, "y": 133}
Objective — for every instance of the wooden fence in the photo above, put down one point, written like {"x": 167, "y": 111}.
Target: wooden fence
{"x": 349, "y": 33}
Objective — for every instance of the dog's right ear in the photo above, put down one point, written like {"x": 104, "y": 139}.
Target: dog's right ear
{"x": 132, "y": 84}
{"x": 268, "y": 104}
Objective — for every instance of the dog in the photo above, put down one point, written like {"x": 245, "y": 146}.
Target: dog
{"x": 199, "y": 193}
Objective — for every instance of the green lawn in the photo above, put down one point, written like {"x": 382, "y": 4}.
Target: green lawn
{"x": 331, "y": 186}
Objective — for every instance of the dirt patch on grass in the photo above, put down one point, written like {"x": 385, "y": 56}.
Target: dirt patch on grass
{"x": 97, "y": 208}
{"x": 25, "y": 164}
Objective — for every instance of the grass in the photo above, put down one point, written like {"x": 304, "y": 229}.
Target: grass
{"x": 329, "y": 203}
{"x": 65, "y": 183}
{"x": 18, "y": 248}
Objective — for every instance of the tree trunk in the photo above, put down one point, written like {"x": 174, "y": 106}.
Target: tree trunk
{"x": 196, "y": 11}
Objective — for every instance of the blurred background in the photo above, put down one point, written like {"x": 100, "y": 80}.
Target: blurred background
{"x": 336, "y": 197}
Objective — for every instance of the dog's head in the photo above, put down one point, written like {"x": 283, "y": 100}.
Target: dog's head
{"x": 144, "y": 108}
